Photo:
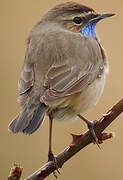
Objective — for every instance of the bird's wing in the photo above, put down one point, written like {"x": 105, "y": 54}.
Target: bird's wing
{"x": 75, "y": 73}
{"x": 26, "y": 80}
{"x": 65, "y": 63}
{"x": 62, "y": 81}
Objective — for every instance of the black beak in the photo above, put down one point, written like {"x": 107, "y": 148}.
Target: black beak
{"x": 104, "y": 15}
{"x": 98, "y": 17}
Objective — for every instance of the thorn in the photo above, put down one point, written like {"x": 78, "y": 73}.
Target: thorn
{"x": 55, "y": 175}
{"x": 75, "y": 137}
{"x": 108, "y": 113}
{"x": 97, "y": 143}
{"x": 95, "y": 140}
{"x": 106, "y": 135}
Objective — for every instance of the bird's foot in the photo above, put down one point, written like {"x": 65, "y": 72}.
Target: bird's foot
{"x": 91, "y": 125}
{"x": 52, "y": 158}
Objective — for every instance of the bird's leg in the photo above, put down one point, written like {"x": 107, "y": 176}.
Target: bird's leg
{"x": 90, "y": 125}
{"x": 51, "y": 156}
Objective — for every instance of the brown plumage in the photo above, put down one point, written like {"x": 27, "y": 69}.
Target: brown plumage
{"x": 69, "y": 70}
{"x": 66, "y": 9}
{"x": 64, "y": 71}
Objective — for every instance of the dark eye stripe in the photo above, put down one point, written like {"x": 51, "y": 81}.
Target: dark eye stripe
{"x": 79, "y": 20}
{"x": 91, "y": 16}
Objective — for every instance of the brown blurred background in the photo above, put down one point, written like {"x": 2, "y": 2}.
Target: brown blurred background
{"x": 16, "y": 20}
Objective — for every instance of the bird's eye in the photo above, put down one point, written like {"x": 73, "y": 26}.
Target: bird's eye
{"x": 77, "y": 20}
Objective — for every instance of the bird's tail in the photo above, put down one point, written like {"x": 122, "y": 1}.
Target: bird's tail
{"x": 30, "y": 118}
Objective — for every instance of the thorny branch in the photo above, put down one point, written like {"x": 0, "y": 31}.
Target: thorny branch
{"x": 80, "y": 141}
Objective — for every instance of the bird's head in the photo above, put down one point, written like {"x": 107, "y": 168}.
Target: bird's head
{"x": 76, "y": 17}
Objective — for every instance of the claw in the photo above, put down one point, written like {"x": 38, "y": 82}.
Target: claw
{"x": 91, "y": 125}
{"x": 92, "y": 132}
{"x": 52, "y": 158}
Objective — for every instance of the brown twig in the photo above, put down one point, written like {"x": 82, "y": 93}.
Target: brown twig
{"x": 15, "y": 172}
{"x": 80, "y": 141}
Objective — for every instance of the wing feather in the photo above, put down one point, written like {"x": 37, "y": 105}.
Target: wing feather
{"x": 68, "y": 82}
{"x": 25, "y": 82}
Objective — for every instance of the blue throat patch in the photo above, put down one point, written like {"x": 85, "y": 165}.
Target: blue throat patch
{"x": 89, "y": 30}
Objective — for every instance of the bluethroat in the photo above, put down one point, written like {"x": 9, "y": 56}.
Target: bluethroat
{"x": 64, "y": 69}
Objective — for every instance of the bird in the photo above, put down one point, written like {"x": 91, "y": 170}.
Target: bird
{"x": 64, "y": 70}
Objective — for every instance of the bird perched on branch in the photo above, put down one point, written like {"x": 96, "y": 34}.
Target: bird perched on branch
{"x": 64, "y": 70}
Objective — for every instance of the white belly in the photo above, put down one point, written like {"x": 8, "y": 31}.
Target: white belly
{"x": 81, "y": 102}
{"x": 90, "y": 97}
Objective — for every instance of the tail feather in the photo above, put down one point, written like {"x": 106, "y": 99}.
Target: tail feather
{"x": 36, "y": 120}
{"x": 29, "y": 120}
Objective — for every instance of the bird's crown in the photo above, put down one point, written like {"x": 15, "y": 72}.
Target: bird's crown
{"x": 67, "y": 9}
